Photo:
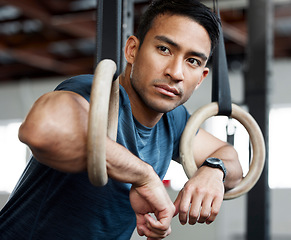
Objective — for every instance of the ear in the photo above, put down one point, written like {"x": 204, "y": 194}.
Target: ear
{"x": 203, "y": 76}
{"x": 131, "y": 49}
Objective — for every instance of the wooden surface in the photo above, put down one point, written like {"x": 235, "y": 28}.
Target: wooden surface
{"x": 102, "y": 94}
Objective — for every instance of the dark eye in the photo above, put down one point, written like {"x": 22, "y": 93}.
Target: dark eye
{"x": 164, "y": 49}
{"x": 194, "y": 62}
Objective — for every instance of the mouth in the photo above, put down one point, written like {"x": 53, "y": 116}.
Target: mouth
{"x": 167, "y": 90}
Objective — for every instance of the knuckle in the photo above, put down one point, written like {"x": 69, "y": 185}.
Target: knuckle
{"x": 183, "y": 208}
{"x": 201, "y": 191}
{"x": 214, "y": 212}
{"x": 194, "y": 215}
{"x": 173, "y": 208}
{"x": 164, "y": 229}
{"x": 203, "y": 215}
{"x": 169, "y": 231}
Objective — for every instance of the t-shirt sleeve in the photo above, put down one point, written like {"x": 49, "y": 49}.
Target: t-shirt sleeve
{"x": 79, "y": 84}
{"x": 179, "y": 118}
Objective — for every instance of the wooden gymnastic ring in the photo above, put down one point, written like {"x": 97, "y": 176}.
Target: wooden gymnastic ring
{"x": 103, "y": 120}
{"x": 256, "y": 138}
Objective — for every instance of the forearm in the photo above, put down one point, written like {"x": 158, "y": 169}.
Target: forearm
{"x": 124, "y": 166}
{"x": 230, "y": 159}
{"x": 206, "y": 145}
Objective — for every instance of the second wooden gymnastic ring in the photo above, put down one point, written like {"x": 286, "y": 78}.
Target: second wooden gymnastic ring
{"x": 256, "y": 138}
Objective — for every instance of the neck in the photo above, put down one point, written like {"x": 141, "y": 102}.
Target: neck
{"x": 141, "y": 112}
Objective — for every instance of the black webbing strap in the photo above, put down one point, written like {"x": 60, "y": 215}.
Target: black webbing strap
{"x": 109, "y": 31}
{"x": 220, "y": 80}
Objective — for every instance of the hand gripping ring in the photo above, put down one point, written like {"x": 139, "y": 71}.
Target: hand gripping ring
{"x": 103, "y": 120}
{"x": 256, "y": 137}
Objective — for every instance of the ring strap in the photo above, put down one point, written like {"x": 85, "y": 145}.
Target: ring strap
{"x": 220, "y": 81}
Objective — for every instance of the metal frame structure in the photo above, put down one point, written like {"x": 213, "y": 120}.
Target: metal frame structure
{"x": 114, "y": 24}
{"x": 257, "y": 78}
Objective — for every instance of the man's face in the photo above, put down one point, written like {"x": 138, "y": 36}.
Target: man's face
{"x": 170, "y": 63}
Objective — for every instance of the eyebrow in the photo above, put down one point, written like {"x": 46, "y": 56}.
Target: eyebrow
{"x": 171, "y": 42}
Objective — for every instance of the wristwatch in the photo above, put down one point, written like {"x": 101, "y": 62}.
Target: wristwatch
{"x": 215, "y": 163}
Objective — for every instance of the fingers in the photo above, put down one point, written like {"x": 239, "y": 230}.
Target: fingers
{"x": 215, "y": 210}
{"x": 177, "y": 203}
{"x": 158, "y": 226}
{"x": 154, "y": 229}
{"x": 184, "y": 207}
{"x": 152, "y": 199}
{"x": 201, "y": 208}
{"x": 197, "y": 212}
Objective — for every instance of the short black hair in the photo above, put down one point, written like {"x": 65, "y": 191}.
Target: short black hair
{"x": 189, "y": 8}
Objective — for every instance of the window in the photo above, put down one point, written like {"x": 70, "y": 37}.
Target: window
{"x": 279, "y": 142}
{"x": 13, "y": 155}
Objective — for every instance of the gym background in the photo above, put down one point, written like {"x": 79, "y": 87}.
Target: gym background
{"x": 44, "y": 42}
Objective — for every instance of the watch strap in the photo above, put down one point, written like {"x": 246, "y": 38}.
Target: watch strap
{"x": 215, "y": 163}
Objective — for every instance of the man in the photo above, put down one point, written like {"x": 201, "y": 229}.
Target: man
{"x": 166, "y": 62}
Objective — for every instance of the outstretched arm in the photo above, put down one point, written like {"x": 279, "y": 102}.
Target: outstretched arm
{"x": 56, "y": 132}
{"x": 201, "y": 198}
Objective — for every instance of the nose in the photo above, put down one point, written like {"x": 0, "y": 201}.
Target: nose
{"x": 174, "y": 69}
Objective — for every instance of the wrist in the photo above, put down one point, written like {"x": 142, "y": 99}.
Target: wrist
{"x": 124, "y": 166}
{"x": 216, "y": 163}
{"x": 147, "y": 176}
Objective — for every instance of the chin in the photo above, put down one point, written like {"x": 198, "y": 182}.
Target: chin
{"x": 163, "y": 108}
{"x": 161, "y": 105}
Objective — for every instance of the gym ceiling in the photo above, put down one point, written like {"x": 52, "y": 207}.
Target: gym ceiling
{"x": 41, "y": 38}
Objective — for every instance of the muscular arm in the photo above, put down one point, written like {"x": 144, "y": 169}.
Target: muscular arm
{"x": 56, "y": 132}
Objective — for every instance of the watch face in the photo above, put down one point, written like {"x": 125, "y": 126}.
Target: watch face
{"x": 214, "y": 160}
{"x": 215, "y": 163}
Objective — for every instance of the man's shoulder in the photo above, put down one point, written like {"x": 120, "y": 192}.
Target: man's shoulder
{"x": 76, "y": 81}
{"x": 80, "y": 84}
